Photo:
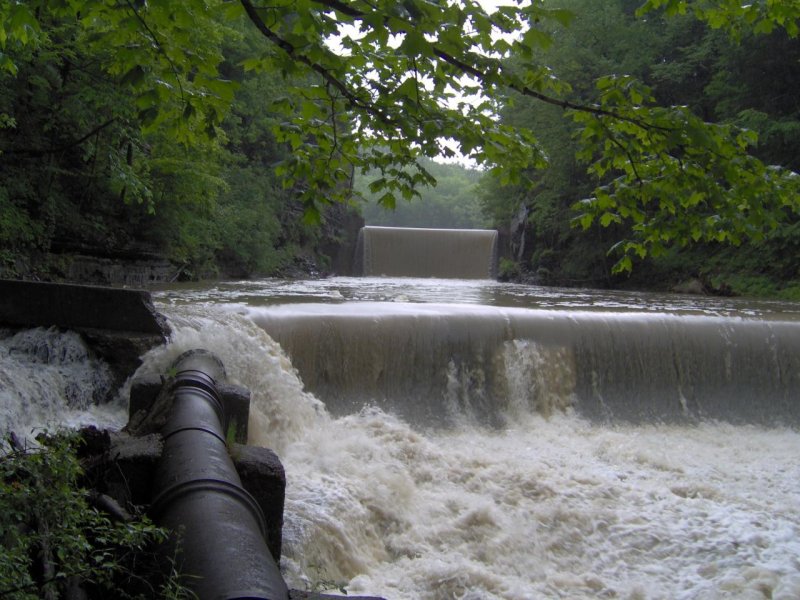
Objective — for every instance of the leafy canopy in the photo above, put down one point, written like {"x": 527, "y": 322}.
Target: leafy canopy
{"x": 383, "y": 83}
{"x": 761, "y": 16}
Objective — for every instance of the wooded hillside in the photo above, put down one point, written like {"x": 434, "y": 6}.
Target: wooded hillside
{"x": 656, "y": 138}
{"x": 87, "y": 168}
{"x": 749, "y": 81}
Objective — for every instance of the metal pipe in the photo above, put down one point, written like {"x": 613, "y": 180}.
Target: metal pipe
{"x": 221, "y": 541}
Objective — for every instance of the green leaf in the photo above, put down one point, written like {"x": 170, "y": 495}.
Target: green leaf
{"x": 22, "y": 25}
{"x": 536, "y": 38}
{"x": 415, "y": 44}
{"x": 607, "y": 218}
{"x": 133, "y": 77}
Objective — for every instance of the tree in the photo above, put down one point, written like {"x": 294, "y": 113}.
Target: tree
{"x": 453, "y": 203}
{"x": 384, "y": 82}
{"x": 750, "y": 83}
{"x": 82, "y": 171}
{"x": 602, "y": 38}
{"x": 735, "y": 17}
{"x": 80, "y": 167}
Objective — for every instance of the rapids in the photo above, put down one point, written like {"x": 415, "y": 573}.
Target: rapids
{"x": 48, "y": 379}
{"x": 533, "y": 504}
{"x": 543, "y": 499}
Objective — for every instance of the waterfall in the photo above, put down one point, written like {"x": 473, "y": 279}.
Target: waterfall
{"x": 438, "y": 451}
{"x": 433, "y": 363}
{"x": 541, "y": 507}
{"x": 50, "y": 379}
{"x": 416, "y": 252}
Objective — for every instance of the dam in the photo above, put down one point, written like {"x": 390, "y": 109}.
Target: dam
{"x": 419, "y": 252}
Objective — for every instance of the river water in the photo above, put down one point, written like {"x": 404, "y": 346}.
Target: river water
{"x": 516, "y": 442}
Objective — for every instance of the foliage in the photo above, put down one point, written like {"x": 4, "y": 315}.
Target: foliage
{"x": 376, "y": 87}
{"x": 673, "y": 177}
{"x": 17, "y": 228}
{"x": 735, "y": 16}
{"x": 677, "y": 178}
{"x": 52, "y": 537}
{"x": 451, "y": 203}
{"x": 78, "y": 168}
{"x": 259, "y": 228}
{"x": 649, "y": 186}
{"x": 600, "y": 39}
{"x": 165, "y": 54}
{"x": 84, "y": 170}
{"x": 394, "y": 77}
{"x": 379, "y": 98}
{"x": 508, "y": 270}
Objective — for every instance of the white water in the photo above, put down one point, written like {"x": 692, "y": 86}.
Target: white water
{"x": 49, "y": 380}
{"x": 544, "y": 508}
{"x": 550, "y": 507}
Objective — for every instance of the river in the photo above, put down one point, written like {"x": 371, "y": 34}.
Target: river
{"x": 452, "y": 439}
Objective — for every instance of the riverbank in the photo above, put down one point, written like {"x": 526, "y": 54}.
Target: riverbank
{"x": 134, "y": 270}
{"x": 143, "y": 270}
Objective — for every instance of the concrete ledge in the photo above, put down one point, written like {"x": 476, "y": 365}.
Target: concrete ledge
{"x": 118, "y": 325}
{"x": 33, "y": 304}
{"x": 264, "y": 478}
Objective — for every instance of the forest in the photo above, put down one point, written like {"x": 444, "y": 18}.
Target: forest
{"x": 749, "y": 81}
{"x": 84, "y": 172}
{"x": 617, "y": 144}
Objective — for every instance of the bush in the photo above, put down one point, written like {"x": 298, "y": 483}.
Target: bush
{"x": 54, "y": 540}
{"x": 508, "y": 270}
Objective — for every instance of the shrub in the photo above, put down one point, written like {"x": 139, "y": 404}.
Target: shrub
{"x": 53, "y": 539}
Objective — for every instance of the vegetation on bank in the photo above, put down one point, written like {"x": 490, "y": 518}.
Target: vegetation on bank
{"x": 619, "y": 136}
{"x": 57, "y": 543}
{"x": 751, "y": 81}
{"x": 86, "y": 169}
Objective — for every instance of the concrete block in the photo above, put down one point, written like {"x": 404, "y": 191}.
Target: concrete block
{"x": 264, "y": 478}
{"x": 32, "y": 304}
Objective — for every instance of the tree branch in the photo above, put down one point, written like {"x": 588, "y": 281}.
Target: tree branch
{"x": 482, "y": 76}
{"x": 326, "y": 74}
{"x": 158, "y": 45}
{"x": 38, "y": 152}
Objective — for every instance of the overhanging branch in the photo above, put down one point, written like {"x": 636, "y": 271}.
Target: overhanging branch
{"x": 39, "y": 152}
{"x": 482, "y": 75}
{"x": 325, "y": 73}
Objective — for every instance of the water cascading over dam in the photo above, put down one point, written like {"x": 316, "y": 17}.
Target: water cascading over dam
{"x": 433, "y": 364}
{"x": 418, "y": 252}
{"x": 475, "y": 439}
